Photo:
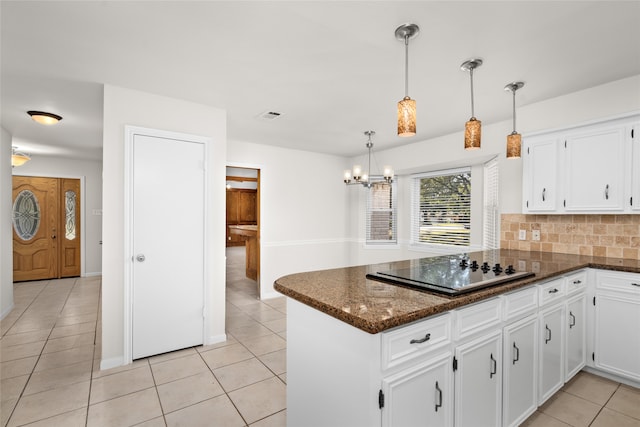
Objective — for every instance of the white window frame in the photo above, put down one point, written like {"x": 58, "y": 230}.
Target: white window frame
{"x": 386, "y": 243}
{"x": 491, "y": 212}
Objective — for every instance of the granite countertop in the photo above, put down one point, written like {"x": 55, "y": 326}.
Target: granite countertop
{"x": 373, "y": 306}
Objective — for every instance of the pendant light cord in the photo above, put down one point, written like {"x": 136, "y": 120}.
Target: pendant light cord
{"x": 514, "y": 111}
{"x": 471, "y": 74}
{"x": 406, "y": 66}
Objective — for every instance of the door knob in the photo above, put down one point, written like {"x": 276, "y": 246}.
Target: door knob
{"x": 140, "y": 258}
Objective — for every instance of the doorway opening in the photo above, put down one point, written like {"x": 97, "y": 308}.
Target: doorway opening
{"x": 46, "y": 219}
{"x": 243, "y": 224}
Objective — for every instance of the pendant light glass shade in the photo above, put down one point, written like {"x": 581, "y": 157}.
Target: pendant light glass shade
{"x": 514, "y": 140}
{"x": 18, "y": 158}
{"x": 473, "y": 128}
{"x": 472, "y": 134}
{"x": 406, "y": 106}
{"x": 407, "y": 117}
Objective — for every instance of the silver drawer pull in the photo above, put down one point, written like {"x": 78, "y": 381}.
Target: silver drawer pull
{"x": 420, "y": 341}
{"x": 635, "y": 284}
{"x": 553, "y": 291}
{"x": 577, "y": 282}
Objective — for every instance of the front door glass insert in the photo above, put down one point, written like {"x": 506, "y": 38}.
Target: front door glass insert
{"x": 26, "y": 215}
{"x": 70, "y": 214}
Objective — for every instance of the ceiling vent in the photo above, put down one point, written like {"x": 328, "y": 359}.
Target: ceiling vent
{"x": 269, "y": 115}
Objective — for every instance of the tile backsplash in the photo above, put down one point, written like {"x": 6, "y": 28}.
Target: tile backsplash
{"x": 598, "y": 235}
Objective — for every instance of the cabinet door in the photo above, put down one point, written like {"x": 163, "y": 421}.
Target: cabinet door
{"x": 540, "y": 183}
{"x": 635, "y": 168}
{"x": 247, "y": 207}
{"x": 551, "y": 345}
{"x": 520, "y": 370}
{"x": 576, "y": 336}
{"x": 478, "y": 382}
{"x": 420, "y": 396}
{"x": 595, "y": 169}
{"x": 617, "y": 341}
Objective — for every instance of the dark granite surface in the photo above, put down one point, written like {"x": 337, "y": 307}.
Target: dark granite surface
{"x": 373, "y": 306}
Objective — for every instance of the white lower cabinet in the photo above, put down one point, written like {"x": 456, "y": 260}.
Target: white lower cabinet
{"x": 617, "y": 319}
{"x": 478, "y": 382}
{"x": 576, "y": 335}
{"x": 552, "y": 346}
{"x": 520, "y": 367}
{"x": 421, "y": 395}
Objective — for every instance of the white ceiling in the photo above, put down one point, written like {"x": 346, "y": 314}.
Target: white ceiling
{"x": 332, "y": 68}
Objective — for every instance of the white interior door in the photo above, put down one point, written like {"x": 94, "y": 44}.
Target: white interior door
{"x": 168, "y": 217}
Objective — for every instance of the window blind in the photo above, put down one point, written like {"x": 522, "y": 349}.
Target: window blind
{"x": 381, "y": 216}
{"x": 491, "y": 214}
{"x": 441, "y": 208}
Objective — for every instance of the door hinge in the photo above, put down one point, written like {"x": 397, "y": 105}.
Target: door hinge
{"x": 594, "y": 300}
{"x": 380, "y": 399}
{"x": 593, "y": 356}
{"x": 455, "y": 363}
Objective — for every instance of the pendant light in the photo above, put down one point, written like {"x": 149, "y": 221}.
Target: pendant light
{"x": 365, "y": 178}
{"x": 514, "y": 140}
{"x": 472, "y": 129}
{"x": 406, "y": 106}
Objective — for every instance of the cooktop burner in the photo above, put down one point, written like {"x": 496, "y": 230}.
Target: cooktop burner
{"x": 451, "y": 274}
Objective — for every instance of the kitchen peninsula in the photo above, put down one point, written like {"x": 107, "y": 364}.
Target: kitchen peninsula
{"x": 365, "y": 352}
{"x": 249, "y": 233}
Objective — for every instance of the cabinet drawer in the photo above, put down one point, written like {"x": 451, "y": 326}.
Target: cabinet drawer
{"x": 409, "y": 342}
{"x": 520, "y": 303}
{"x": 478, "y": 317}
{"x": 576, "y": 282}
{"x": 551, "y": 292}
{"x": 618, "y": 282}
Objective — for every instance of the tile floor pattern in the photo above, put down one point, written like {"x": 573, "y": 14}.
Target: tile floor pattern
{"x": 50, "y": 355}
{"x": 49, "y": 366}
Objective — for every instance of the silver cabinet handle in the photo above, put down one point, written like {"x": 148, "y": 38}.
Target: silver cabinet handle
{"x": 577, "y": 282}
{"x": 544, "y": 194}
{"x": 635, "y": 284}
{"x": 553, "y": 291}
{"x": 572, "y": 321}
{"x": 439, "y": 401}
{"x": 140, "y": 258}
{"x": 517, "y": 353}
{"x": 494, "y": 366}
{"x": 421, "y": 340}
{"x": 546, "y": 340}
{"x": 606, "y": 192}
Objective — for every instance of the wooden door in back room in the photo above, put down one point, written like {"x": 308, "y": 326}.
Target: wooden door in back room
{"x": 46, "y": 228}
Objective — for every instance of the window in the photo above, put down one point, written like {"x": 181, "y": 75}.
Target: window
{"x": 381, "y": 213}
{"x": 441, "y": 208}
{"x": 491, "y": 215}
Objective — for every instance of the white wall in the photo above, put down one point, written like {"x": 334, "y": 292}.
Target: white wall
{"x": 128, "y": 107}
{"x": 90, "y": 172}
{"x": 6, "y": 229}
{"x": 303, "y": 206}
{"x": 603, "y": 101}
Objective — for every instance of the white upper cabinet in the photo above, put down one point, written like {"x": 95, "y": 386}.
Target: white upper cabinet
{"x": 586, "y": 169}
{"x": 540, "y": 166}
{"x": 635, "y": 168}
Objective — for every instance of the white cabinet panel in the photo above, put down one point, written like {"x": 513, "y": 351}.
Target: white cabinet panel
{"x": 540, "y": 165}
{"x": 576, "y": 335}
{"x": 420, "y": 396}
{"x": 478, "y": 381}
{"x": 635, "y": 168}
{"x": 594, "y": 167}
{"x": 520, "y": 370}
{"x": 551, "y": 344}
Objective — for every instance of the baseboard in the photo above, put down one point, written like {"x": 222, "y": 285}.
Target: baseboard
{"x": 612, "y": 377}
{"x": 270, "y": 295}
{"x": 94, "y": 274}
{"x": 113, "y": 362}
{"x": 7, "y": 311}
{"x": 215, "y": 339}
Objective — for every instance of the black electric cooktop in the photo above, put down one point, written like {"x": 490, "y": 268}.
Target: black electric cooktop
{"x": 451, "y": 274}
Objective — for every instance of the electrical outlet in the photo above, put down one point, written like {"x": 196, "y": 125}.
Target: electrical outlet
{"x": 535, "y": 267}
{"x": 522, "y": 265}
{"x": 535, "y": 235}
{"x": 522, "y": 235}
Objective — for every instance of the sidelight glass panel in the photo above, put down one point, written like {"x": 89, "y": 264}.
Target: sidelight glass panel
{"x": 70, "y": 214}
{"x": 26, "y": 215}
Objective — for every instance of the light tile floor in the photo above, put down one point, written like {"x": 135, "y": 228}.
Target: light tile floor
{"x": 50, "y": 355}
{"x": 49, "y": 367}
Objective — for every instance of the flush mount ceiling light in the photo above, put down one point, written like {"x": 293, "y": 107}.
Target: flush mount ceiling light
{"x": 407, "y": 106}
{"x": 472, "y": 128}
{"x": 355, "y": 176}
{"x": 44, "y": 118}
{"x": 514, "y": 140}
{"x": 18, "y": 158}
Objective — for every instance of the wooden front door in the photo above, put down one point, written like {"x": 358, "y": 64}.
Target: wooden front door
{"x": 46, "y": 228}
